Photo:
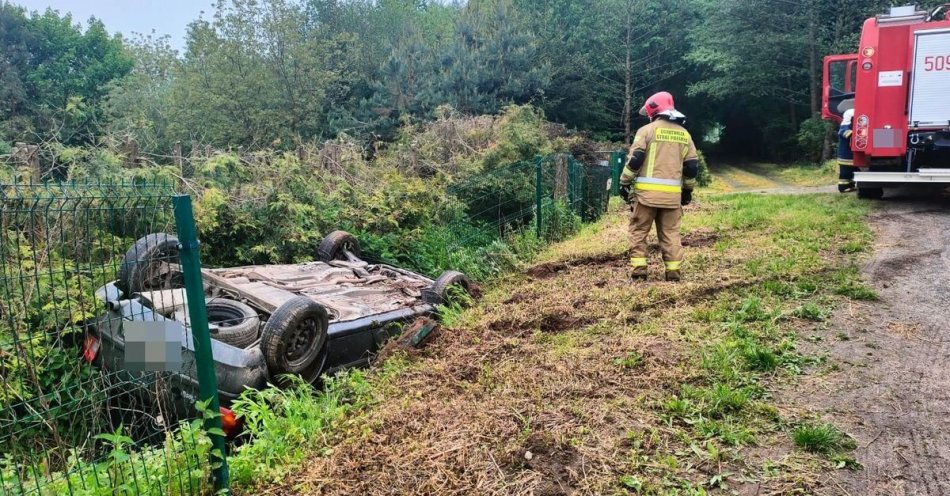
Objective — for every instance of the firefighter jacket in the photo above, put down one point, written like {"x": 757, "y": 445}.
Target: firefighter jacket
{"x": 845, "y": 155}
{"x": 662, "y": 163}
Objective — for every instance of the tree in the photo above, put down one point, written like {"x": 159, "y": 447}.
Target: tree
{"x": 55, "y": 74}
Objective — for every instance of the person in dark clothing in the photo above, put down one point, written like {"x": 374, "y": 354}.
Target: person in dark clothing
{"x": 845, "y": 155}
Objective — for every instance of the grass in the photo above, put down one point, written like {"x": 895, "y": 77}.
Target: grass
{"x": 825, "y": 439}
{"x": 614, "y": 387}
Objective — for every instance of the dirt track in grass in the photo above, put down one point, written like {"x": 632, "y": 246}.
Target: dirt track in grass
{"x": 892, "y": 389}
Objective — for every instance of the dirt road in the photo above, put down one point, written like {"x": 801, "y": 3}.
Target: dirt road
{"x": 892, "y": 391}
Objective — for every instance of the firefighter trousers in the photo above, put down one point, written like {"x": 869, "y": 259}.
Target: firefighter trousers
{"x": 667, "y": 222}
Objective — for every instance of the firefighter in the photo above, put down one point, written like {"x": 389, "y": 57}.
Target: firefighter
{"x": 845, "y": 155}
{"x": 657, "y": 181}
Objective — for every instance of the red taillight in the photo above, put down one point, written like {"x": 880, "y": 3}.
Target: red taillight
{"x": 861, "y": 132}
{"x": 90, "y": 347}
{"x": 230, "y": 424}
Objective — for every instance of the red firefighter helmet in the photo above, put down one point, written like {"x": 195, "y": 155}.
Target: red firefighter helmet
{"x": 660, "y": 102}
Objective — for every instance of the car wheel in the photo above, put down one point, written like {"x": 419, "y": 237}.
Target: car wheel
{"x": 871, "y": 193}
{"x": 232, "y": 321}
{"x": 294, "y": 336}
{"x": 440, "y": 292}
{"x": 148, "y": 265}
{"x": 335, "y": 246}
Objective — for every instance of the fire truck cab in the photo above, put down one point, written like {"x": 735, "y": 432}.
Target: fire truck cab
{"x": 899, "y": 87}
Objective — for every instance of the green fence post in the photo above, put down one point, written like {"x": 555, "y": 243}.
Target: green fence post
{"x": 198, "y": 315}
{"x": 537, "y": 193}
{"x": 617, "y": 160}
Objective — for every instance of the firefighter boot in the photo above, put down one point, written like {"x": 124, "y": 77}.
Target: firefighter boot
{"x": 638, "y": 273}
{"x": 673, "y": 275}
{"x": 845, "y": 187}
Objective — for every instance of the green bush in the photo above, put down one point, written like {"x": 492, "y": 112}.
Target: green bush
{"x": 812, "y": 134}
{"x": 704, "y": 178}
{"x": 286, "y": 425}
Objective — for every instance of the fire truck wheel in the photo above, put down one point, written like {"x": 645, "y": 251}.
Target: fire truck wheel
{"x": 871, "y": 193}
{"x": 294, "y": 336}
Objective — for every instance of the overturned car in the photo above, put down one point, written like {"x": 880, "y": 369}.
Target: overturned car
{"x": 265, "y": 320}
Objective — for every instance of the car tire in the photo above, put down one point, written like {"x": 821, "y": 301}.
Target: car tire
{"x": 141, "y": 268}
{"x": 294, "y": 336}
{"x": 438, "y": 293}
{"x": 335, "y": 245}
{"x": 236, "y": 323}
{"x": 870, "y": 193}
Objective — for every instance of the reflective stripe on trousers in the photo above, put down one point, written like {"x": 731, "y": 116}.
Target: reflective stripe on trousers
{"x": 638, "y": 262}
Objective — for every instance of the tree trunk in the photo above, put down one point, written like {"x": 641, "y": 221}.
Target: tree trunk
{"x": 826, "y": 148}
{"x": 813, "y": 68}
{"x": 560, "y": 177}
{"x": 628, "y": 80}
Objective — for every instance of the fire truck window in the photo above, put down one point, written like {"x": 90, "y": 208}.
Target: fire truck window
{"x": 842, "y": 75}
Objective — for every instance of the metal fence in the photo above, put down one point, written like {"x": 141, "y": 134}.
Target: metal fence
{"x": 85, "y": 405}
{"x": 545, "y": 192}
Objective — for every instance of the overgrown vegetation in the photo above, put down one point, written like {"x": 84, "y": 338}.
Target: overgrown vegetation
{"x": 653, "y": 388}
{"x": 283, "y": 427}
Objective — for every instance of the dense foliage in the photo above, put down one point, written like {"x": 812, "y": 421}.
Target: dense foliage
{"x": 276, "y": 73}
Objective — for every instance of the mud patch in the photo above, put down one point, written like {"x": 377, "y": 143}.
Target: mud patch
{"x": 557, "y": 462}
{"x": 890, "y": 268}
{"x": 551, "y": 269}
{"x": 549, "y": 320}
{"x": 520, "y": 298}
{"x": 700, "y": 238}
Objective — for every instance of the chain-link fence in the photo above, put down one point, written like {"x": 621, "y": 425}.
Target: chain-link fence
{"x": 97, "y": 395}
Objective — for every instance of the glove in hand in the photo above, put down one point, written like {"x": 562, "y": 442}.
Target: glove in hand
{"x": 687, "y": 197}
{"x": 625, "y": 193}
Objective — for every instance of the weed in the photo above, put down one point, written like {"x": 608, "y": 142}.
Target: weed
{"x": 285, "y": 425}
{"x": 759, "y": 358}
{"x": 631, "y": 360}
{"x": 853, "y": 247}
{"x": 857, "y": 291}
{"x": 845, "y": 461}
{"x": 752, "y": 309}
{"x": 728, "y": 432}
{"x": 821, "y": 438}
{"x": 632, "y": 483}
{"x": 812, "y": 311}
{"x": 679, "y": 407}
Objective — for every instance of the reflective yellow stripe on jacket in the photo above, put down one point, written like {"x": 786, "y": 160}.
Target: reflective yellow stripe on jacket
{"x": 656, "y": 184}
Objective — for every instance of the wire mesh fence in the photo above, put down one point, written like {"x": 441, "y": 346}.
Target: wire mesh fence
{"x": 89, "y": 403}
{"x": 548, "y": 197}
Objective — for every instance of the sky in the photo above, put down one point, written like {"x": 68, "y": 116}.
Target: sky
{"x": 169, "y": 17}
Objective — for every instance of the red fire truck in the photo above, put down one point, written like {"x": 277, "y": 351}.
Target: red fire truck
{"x": 899, "y": 87}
